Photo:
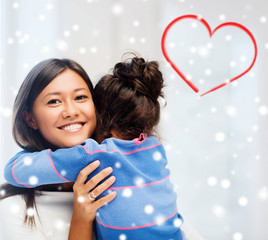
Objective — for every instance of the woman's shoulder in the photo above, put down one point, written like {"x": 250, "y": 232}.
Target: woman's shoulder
{"x": 54, "y": 210}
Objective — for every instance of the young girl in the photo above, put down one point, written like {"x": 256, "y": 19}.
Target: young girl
{"x": 128, "y": 111}
{"x": 35, "y": 121}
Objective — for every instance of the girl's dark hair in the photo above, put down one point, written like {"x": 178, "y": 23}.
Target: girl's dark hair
{"x": 126, "y": 101}
{"x": 27, "y": 138}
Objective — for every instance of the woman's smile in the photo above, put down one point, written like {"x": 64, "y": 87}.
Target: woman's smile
{"x": 72, "y": 127}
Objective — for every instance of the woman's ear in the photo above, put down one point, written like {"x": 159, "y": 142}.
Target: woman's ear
{"x": 29, "y": 119}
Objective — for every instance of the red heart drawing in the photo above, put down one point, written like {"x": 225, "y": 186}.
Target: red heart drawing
{"x": 210, "y": 34}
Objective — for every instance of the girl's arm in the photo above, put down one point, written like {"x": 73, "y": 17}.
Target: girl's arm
{"x": 32, "y": 169}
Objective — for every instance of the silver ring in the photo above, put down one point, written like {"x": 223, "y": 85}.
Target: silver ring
{"x": 91, "y": 196}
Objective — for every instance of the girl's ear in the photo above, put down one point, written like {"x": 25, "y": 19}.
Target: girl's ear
{"x": 29, "y": 119}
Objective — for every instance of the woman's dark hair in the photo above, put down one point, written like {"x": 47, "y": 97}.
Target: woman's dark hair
{"x": 126, "y": 101}
{"x": 26, "y": 137}
{"x": 37, "y": 79}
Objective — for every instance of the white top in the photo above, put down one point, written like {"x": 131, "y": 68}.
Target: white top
{"x": 55, "y": 211}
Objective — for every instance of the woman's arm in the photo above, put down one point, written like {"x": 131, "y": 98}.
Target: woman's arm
{"x": 84, "y": 208}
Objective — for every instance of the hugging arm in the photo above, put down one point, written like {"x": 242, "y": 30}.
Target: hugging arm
{"x": 32, "y": 169}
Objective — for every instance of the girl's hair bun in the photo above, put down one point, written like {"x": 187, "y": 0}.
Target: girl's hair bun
{"x": 126, "y": 101}
{"x": 144, "y": 77}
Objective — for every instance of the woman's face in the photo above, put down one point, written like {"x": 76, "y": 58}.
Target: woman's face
{"x": 64, "y": 111}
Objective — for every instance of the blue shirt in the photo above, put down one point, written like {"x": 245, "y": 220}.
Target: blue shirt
{"x": 145, "y": 205}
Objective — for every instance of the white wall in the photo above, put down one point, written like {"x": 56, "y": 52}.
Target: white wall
{"x": 96, "y": 33}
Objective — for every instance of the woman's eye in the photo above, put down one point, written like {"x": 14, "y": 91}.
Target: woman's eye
{"x": 81, "y": 97}
{"x": 53, "y": 101}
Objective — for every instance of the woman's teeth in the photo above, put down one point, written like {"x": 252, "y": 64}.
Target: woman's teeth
{"x": 72, "y": 127}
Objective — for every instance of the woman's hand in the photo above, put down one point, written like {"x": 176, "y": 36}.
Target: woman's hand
{"x": 85, "y": 206}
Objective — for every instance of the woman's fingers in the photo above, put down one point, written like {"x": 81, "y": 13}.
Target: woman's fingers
{"x": 82, "y": 176}
{"x": 104, "y": 200}
{"x": 94, "y": 181}
{"x": 102, "y": 187}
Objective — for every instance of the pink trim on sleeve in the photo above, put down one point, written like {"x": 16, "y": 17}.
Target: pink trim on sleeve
{"x": 13, "y": 174}
{"x": 127, "y": 153}
{"x": 136, "y": 227}
{"x": 55, "y": 170}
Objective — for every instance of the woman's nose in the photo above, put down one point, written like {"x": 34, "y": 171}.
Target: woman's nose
{"x": 70, "y": 110}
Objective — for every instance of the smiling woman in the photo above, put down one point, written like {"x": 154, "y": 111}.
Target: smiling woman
{"x": 64, "y": 116}
{"x": 53, "y": 109}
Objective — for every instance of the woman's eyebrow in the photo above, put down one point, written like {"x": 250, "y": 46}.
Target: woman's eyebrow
{"x": 59, "y": 93}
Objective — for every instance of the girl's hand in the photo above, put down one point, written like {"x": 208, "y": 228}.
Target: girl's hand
{"x": 85, "y": 206}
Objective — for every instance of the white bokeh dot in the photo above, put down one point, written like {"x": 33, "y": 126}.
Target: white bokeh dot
{"x": 188, "y": 77}
{"x": 122, "y": 237}
{"x": 132, "y": 40}
{"x": 171, "y": 45}
{"x": 191, "y": 61}
{"x": 193, "y": 49}
{"x": 243, "y": 201}
{"x": 93, "y": 49}
{"x": 230, "y": 111}
{"x": 139, "y": 181}
{"x": 136, "y": 23}
{"x": 33, "y": 180}
{"x": 117, "y": 9}
{"x": 148, "y": 209}
{"x": 213, "y": 109}
{"x": 263, "y": 19}
{"x": 228, "y": 37}
{"x": 255, "y": 127}
{"x": 30, "y": 212}
{"x": 159, "y": 219}
{"x": 66, "y": 33}
{"x": 81, "y": 199}
{"x": 237, "y": 236}
{"x": 212, "y": 181}
{"x": 220, "y": 137}
{"x": 27, "y": 161}
{"x": 193, "y": 24}
{"x": 225, "y": 183}
{"x": 222, "y": 17}
{"x": 62, "y": 45}
{"x": 263, "y": 110}
{"x": 15, "y": 5}
{"x": 82, "y": 50}
{"x": 15, "y": 208}
{"x": 49, "y": 6}
{"x": 203, "y": 51}
{"x": 208, "y": 71}
{"x": 157, "y": 156}
{"x": 143, "y": 40}
{"x": 243, "y": 58}
{"x": 42, "y": 17}
{"x": 117, "y": 165}
{"x": 235, "y": 84}
{"x": 263, "y": 193}
{"x": 10, "y": 41}
{"x": 2, "y": 192}
{"x": 218, "y": 210}
{"x": 59, "y": 224}
{"x": 232, "y": 64}
{"x": 127, "y": 192}
{"x": 177, "y": 223}
{"x": 75, "y": 27}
